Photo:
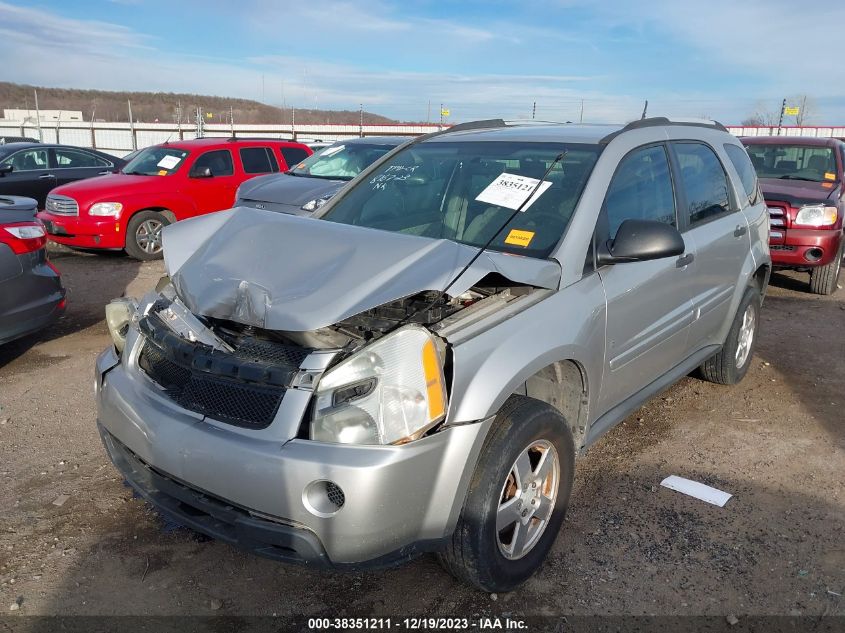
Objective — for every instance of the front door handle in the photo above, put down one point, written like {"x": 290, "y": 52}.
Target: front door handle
{"x": 740, "y": 230}
{"x": 47, "y": 176}
{"x": 684, "y": 260}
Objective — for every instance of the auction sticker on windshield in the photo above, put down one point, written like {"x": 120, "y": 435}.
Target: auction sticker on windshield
{"x": 519, "y": 238}
{"x": 511, "y": 190}
{"x": 332, "y": 150}
{"x": 169, "y": 162}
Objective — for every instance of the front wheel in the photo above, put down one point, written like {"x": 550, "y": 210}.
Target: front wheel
{"x": 143, "y": 235}
{"x": 517, "y": 498}
{"x": 824, "y": 279}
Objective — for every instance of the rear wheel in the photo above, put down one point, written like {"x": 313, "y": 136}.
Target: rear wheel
{"x": 824, "y": 279}
{"x": 730, "y": 365}
{"x": 517, "y": 498}
{"x": 143, "y": 235}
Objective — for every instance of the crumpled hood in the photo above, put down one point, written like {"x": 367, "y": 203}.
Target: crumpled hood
{"x": 797, "y": 192}
{"x": 294, "y": 190}
{"x": 292, "y": 273}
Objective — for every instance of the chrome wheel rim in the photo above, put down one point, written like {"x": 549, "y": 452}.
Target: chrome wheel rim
{"x": 746, "y": 337}
{"x": 148, "y": 236}
{"x": 527, "y": 499}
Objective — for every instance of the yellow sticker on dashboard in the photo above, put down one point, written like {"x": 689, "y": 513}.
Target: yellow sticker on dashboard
{"x": 829, "y": 176}
{"x": 162, "y": 172}
{"x": 519, "y": 238}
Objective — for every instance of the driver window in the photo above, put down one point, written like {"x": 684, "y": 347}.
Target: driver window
{"x": 219, "y": 161}
{"x": 641, "y": 189}
{"x": 28, "y": 160}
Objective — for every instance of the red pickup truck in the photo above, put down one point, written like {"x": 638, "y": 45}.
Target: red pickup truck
{"x": 160, "y": 185}
{"x": 803, "y": 183}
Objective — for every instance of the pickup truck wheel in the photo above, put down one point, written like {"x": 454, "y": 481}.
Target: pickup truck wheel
{"x": 731, "y": 364}
{"x": 824, "y": 279}
{"x": 516, "y": 500}
{"x": 143, "y": 235}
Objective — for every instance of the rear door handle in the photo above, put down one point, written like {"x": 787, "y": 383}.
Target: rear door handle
{"x": 740, "y": 230}
{"x": 47, "y": 176}
{"x": 684, "y": 260}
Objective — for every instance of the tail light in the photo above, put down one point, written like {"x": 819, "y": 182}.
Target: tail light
{"x": 23, "y": 237}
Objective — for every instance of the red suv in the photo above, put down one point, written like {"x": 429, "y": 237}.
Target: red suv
{"x": 160, "y": 185}
{"x": 803, "y": 183}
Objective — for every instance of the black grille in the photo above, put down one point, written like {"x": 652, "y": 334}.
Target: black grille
{"x": 262, "y": 351}
{"x": 235, "y": 402}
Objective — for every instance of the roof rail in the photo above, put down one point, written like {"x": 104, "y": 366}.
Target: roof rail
{"x": 475, "y": 125}
{"x": 661, "y": 120}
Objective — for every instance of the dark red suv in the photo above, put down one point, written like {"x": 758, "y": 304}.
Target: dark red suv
{"x": 802, "y": 183}
{"x": 161, "y": 184}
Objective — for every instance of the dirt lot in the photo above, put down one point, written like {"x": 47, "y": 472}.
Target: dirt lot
{"x": 777, "y": 442}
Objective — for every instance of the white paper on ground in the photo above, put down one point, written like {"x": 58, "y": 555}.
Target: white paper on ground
{"x": 169, "y": 162}
{"x": 697, "y": 490}
{"x": 511, "y": 190}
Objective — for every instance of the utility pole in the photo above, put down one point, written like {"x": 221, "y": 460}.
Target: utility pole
{"x": 581, "y": 117}
{"x": 361, "y": 123}
{"x": 293, "y": 122}
{"x": 428, "y": 113}
{"x": 534, "y": 111}
{"x": 232, "y": 120}
{"x": 441, "y": 116}
{"x": 179, "y": 119}
{"x": 93, "y": 136}
{"x": 200, "y": 123}
{"x": 38, "y": 118}
{"x": 780, "y": 118}
{"x": 132, "y": 126}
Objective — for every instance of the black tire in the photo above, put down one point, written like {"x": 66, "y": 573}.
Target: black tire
{"x": 722, "y": 368}
{"x": 473, "y": 554}
{"x": 140, "y": 224}
{"x": 824, "y": 279}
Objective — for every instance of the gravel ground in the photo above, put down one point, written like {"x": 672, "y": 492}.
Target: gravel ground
{"x": 73, "y": 540}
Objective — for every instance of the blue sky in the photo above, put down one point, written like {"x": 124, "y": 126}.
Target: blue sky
{"x": 724, "y": 59}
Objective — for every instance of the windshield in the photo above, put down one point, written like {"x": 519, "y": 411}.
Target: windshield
{"x": 156, "y": 161}
{"x": 794, "y": 162}
{"x": 339, "y": 161}
{"x": 461, "y": 191}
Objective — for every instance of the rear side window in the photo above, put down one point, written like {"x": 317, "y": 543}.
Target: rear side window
{"x": 745, "y": 168}
{"x": 258, "y": 160}
{"x": 219, "y": 161}
{"x": 641, "y": 189}
{"x": 704, "y": 180}
{"x": 294, "y": 155}
{"x": 70, "y": 158}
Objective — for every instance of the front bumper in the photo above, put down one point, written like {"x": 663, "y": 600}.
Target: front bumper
{"x": 398, "y": 500}
{"x": 84, "y": 231}
{"x": 791, "y": 250}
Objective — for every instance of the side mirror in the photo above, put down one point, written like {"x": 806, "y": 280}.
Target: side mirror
{"x": 202, "y": 172}
{"x": 641, "y": 240}
{"x": 5, "y": 169}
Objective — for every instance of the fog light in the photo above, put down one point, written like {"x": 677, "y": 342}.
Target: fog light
{"x": 323, "y": 498}
{"x": 813, "y": 254}
{"x": 119, "y": 313}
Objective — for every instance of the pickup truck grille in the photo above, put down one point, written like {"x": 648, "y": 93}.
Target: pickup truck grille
{"x": 61, "y": 205}
{"x": 244, "y": 388}
{"x": 777, "y": 222}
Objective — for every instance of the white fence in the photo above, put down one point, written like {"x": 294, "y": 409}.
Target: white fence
{"x": 816, "y": 131}
{"x": 121, "y": 138}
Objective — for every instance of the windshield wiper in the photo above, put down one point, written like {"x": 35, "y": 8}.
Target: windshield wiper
{"x": 790, "y": 177}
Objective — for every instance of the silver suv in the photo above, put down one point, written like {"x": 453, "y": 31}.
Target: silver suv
{"x": 416, "y": 369}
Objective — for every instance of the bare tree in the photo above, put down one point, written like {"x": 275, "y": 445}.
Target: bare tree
{"x": 762, "y": 117}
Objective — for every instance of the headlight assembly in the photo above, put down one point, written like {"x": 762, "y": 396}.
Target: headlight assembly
{"x": 816, "y": 215}
{"x": 108, "y": 209}
{"x": 390, "y": 392}
{"x": 119, "y": 313}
